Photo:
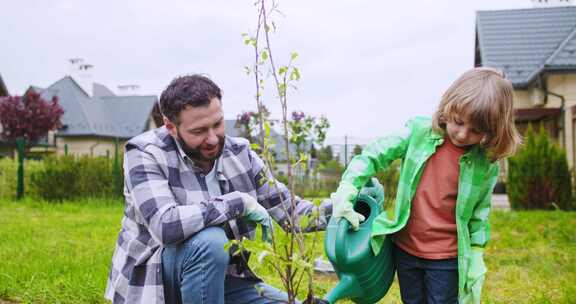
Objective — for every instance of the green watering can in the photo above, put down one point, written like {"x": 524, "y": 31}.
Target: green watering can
{"x": 364, "y": 278}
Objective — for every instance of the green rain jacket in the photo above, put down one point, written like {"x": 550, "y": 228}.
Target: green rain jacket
{"x": 476, "y": 181}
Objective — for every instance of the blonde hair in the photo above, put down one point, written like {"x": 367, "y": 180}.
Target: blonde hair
{"x": 485, "y": 98}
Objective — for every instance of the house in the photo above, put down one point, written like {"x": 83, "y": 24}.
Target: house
{"x": 3, "y": 89}
{"x": 536, "y": 49}
{"x": 5, "y": 148}
{"x": 94, "y": 122}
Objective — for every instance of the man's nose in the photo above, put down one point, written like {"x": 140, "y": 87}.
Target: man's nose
{"x": 212, "y": 138}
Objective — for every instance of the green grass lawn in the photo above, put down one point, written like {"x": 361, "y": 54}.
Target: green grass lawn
{"x": 60, "y": 253}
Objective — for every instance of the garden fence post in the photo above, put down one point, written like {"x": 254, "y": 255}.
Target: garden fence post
{"x": 20, "y": 145}
{"x": 116, "y": 170}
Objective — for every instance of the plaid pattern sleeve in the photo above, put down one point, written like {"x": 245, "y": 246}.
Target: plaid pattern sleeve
{"x": 275, "y": 197}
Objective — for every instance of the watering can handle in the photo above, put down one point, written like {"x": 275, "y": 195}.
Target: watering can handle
{"x": 340, "y": 244}
{"x": 341, "y": 236}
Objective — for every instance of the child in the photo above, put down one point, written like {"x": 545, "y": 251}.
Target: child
{"x": 449, "y": 168}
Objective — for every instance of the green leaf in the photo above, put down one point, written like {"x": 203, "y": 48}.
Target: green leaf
{"x": 247, "y": 39}
{"x": 293, "y": 56}
{"x": 295, "y": 74}
{"x": 304, "y": 221}
{"x": 282, "y": 89}
{"x": 264, "y": 55}
{"x": 262, "y": 255}
{"x": 282, "y": 70}
{"x": 267, "y": 129}
{"x": 254, "y": 146}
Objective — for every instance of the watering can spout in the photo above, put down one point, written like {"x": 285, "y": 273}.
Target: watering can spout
{"x": 348, "y": 287}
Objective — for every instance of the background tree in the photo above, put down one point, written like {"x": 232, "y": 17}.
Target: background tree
{"x": 307, "y": 130}
{"x": 247, "y": 123}
{"x": 287, "y": 253}
{"x": 325, "y": 154}
{"x": 357, "y": 150}
{"x": 538, "y": 175}
{"x": 25, "y": 120}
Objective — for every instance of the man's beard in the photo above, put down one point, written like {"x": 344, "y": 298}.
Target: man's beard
{"x": 195, "y": 154}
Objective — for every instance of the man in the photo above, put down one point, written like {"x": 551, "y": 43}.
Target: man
{"x": 189, "y": 188}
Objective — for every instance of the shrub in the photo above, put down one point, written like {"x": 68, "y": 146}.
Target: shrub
{"x": 69, "y": 177}
{"x": 538, "y": 176}
{"x": 56, "y": 181}
{"x": 9, "y": 177}
{"x": 97, "y": 179}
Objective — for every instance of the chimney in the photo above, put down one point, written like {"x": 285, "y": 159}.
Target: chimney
{"x": 128, "y": 90}
{"x": 551, "y": 3}
{"x": 73, "y": 66}
{"x": 82, "y": 73}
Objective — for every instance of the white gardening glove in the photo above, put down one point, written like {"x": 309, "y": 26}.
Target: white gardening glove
{"x": 342, "y": 205}
{"x": 255, "y": 212}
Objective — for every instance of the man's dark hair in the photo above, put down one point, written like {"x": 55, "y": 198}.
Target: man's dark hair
{"x": 191, "y": 90}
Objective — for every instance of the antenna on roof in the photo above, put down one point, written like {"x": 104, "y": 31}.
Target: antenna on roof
{"x": 551, "y": 3}
{"x": 85, "y": 67}
{"x": 82, "y": 73}
{"x": 128, "y": 89}
{"x": 73, "y": 66}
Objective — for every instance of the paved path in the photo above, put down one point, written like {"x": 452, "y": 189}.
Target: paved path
{"x": 500, "y": 202}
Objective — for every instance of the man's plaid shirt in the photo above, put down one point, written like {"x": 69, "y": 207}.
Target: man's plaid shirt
{"x": 167, "y": 201}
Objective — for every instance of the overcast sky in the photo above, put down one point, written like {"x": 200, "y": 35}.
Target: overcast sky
{"x": 368, "y": 66}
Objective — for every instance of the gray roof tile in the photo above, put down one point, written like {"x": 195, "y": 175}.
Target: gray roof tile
{"x": 525, "y": 42}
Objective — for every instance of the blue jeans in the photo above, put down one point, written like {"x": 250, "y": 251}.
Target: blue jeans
{"x": 426, "y": 281}
{"x": 194, "y": 271}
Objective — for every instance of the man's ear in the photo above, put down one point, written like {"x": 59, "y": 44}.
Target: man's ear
{"x": 170, "y": 126}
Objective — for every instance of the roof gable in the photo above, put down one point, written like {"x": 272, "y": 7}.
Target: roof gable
{"x": 565, "y": 55}
{"x": 105, "y": 114}
{"x": 100, "y": 90}
{"x": 3, "y": 89}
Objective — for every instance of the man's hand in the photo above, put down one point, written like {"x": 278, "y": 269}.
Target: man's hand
{"x": 255, "y": 212}
{"x": 342, "y": 207}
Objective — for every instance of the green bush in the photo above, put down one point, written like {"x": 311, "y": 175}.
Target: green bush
{"x": 69, "y": 177}
{"x": 9, "y": 176}
{"x": 56, "y": 181}
{"x": 538, "y": 176}
{"x": 98, "y": 178}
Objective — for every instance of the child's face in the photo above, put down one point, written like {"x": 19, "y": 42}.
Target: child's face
{"x": 462, "y": 134}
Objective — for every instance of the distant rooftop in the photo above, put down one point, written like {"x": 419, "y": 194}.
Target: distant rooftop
{"x": 527, "y": 42}
{"x": 3, "y": 89}
{"x": 104, "y": 114}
